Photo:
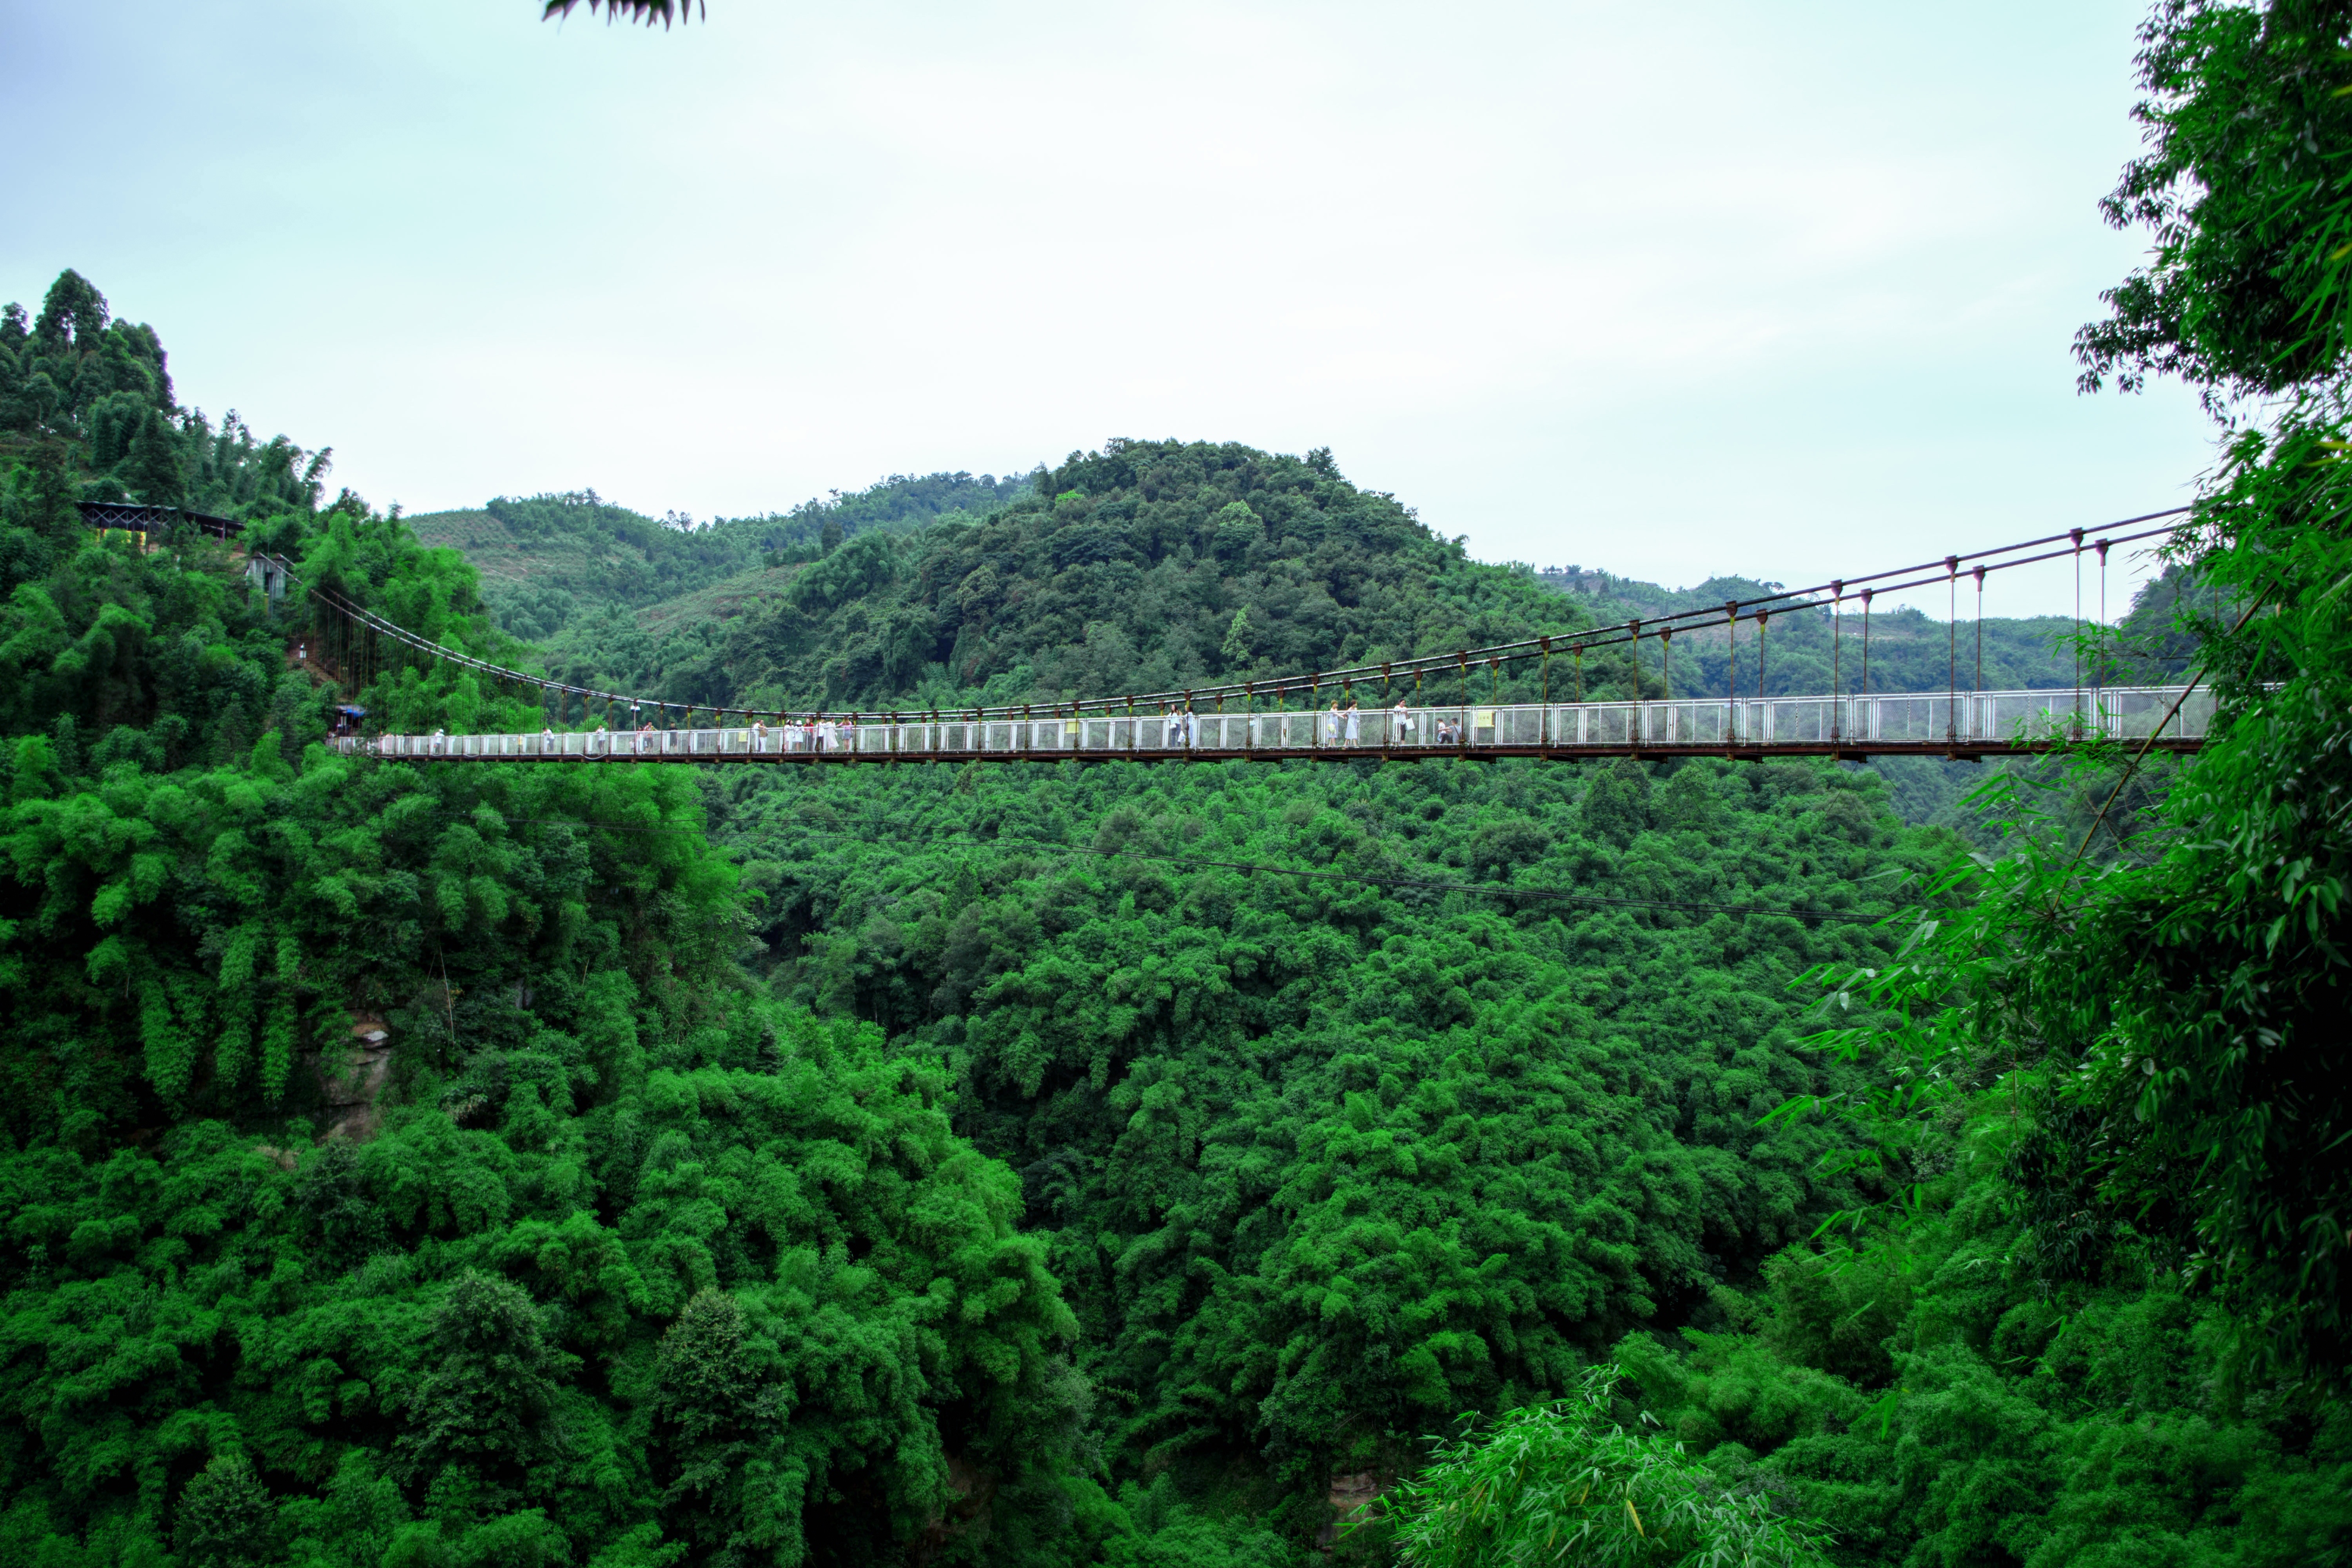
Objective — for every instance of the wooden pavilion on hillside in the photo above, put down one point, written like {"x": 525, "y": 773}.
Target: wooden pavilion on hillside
{"x": 151, "y": 523}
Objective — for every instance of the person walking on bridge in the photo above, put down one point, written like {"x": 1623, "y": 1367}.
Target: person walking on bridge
{"x": 1404, "y": 719}
{"x": 1354, "y": 713}
{"x": 1331, "y": 723}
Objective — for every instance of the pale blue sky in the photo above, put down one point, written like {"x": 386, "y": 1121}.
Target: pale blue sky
{"x": 1783, "y": 290}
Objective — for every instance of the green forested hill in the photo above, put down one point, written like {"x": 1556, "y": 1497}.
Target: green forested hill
{"x": 397, "y": 1168}
{"x": 1035, "y": 1164}
{"x": 1148, "y": 563}
{"x": 547, "y": 561}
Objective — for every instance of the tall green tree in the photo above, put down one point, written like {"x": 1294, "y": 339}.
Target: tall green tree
{"x": 2245, "y": 193}
{"x": 2178, "y": 1024}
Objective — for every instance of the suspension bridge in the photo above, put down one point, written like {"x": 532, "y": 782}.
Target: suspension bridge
{"x": 1254, "y": 719}
{"x": 1973, "y": 726}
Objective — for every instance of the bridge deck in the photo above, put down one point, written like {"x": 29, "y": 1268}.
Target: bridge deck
{"x": 1971, "y": 724}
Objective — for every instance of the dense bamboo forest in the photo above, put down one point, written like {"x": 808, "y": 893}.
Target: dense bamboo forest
{"x": 1239, "y": 1164}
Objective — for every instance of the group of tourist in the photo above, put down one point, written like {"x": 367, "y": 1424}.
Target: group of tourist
{"x": 818, "y": 734}
{"x": 1342, "y": 726}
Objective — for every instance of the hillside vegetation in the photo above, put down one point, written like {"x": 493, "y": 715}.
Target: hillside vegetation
{"x": 1031, "y": 1165}
{"x": 628, "y": 1166}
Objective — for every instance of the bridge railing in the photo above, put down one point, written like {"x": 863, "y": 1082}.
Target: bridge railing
{"x": 2123, "y": 713}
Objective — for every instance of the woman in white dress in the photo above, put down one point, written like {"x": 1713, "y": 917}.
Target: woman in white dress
{"x": 1331, "y": 723}
{"x": 1355, "y": 717}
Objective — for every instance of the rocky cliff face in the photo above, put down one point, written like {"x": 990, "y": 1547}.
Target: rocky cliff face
{"x": 352, "y": 1076}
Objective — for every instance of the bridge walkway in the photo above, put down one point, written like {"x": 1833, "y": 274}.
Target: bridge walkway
{"x": 1967, "y": 724}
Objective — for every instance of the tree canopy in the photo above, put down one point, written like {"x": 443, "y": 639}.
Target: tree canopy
{"x": 1096, "y": 1162}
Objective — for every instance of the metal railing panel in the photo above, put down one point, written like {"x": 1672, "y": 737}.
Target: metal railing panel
{"x": 1798, "y": 721}
{"x": 1280, "y": 731}
{"x": 2197, "y": 716}
{"x": 1103, "y": 734}
{"x": 2134, "y": 713}
{"x": 1440, "y": 726}
{"x": 1595, "y": 724}
{"x": 2033, "y": 715}
{"x": 1921, "y": 718}
{"x": 1684, "y": 723}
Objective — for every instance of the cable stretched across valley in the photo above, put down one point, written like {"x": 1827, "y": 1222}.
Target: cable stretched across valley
{"x": 1758, "y": 611}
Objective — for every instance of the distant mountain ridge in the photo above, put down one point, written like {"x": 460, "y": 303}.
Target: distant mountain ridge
{"x": 548, "y": 560}
{"x": 1910, "y": 650}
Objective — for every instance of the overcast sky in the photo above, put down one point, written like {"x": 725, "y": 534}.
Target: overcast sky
{"x": 1784, "y": 289}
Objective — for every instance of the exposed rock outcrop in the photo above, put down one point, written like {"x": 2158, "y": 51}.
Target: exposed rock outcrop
{"x": 352, "y": 1076}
